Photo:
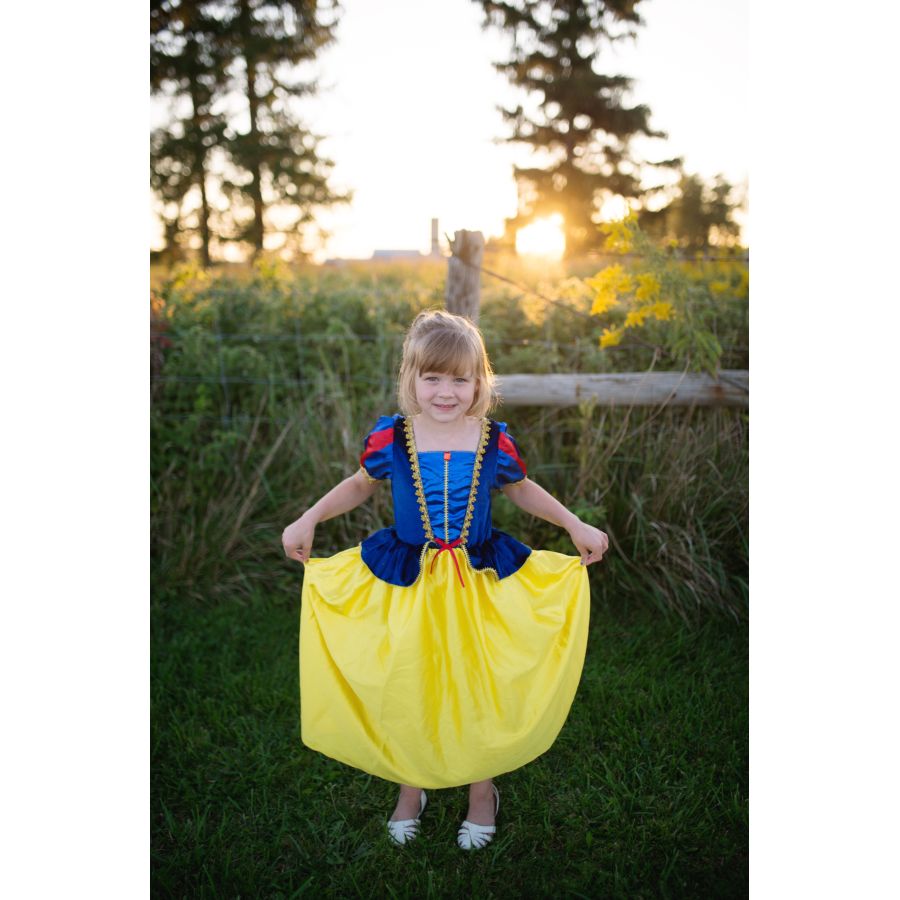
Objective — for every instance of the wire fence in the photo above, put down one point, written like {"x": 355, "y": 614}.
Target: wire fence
{"x": 224, "y": 380}
{"x": 565, "y": 305}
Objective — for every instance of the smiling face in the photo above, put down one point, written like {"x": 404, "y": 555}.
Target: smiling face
{"x": 445, "y": 372}
{"x": 444, "y": 398}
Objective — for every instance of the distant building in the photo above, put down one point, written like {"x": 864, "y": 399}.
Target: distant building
{"x": 382, "y": 255}
{"x": 397, "y": 254}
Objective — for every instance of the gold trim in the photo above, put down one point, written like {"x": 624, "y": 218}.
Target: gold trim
{"x": 417, "y": 477}
{"x": 476, "y": 471}
{"x": 369, "y": 478}
{"x": 469, "y": 562}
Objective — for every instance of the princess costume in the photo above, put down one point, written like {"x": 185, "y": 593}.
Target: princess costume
{"x": 440, "y": 651}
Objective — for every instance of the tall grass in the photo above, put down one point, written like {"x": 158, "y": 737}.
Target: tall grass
{"x": 265, "y": 385}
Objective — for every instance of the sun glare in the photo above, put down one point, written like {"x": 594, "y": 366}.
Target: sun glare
{"x": 543, "y": 237}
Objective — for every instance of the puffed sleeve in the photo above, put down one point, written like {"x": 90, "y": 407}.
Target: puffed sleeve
{"x": 377, "y": 457}
{"x": 511, "y": 467}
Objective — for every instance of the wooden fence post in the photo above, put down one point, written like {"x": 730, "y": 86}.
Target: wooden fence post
{"x": 463, "y": 293}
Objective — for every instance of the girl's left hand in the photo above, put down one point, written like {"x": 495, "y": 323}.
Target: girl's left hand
{"x": 591, "y": 542}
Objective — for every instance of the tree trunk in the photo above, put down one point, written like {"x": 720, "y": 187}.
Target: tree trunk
{"x": 172, "y": 252}
{"x": 204, "y": 213}
{"x": 256, "y": 233}
{"x": 463, "y": 293}
{"x": 200, "y": 175}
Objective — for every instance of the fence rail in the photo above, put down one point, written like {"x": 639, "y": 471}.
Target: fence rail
{"x": 731, "y": 388}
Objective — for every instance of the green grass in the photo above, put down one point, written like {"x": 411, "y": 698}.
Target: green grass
{"x": 644, "y": 793}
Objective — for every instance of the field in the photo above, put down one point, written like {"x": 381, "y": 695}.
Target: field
{"x": 264, "y": 382}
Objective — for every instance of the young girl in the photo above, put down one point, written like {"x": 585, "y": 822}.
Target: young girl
{"x": 440, "y": 651}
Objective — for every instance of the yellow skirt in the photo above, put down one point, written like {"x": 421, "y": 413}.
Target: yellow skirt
{"x": 437, "y": 685}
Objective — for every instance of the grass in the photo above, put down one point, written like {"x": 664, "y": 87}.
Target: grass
{"x": 644, "y": 793}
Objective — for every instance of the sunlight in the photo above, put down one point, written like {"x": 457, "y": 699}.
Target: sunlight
{"x": 543, "y": 237}
{"x": 613, "y": 209}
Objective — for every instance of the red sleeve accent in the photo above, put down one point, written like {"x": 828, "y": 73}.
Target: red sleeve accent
{"x": 375, "y": 442}
{"x": 509, "y": 448}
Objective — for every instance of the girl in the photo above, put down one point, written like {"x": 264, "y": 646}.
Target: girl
{"x": 440, "y": 651}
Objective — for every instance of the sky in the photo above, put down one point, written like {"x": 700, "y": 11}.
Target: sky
{"x": 408, "y": 113}
{"x": 409, "y": 110}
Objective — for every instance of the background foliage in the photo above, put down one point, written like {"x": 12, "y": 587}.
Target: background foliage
{"x": 266, "y": 382}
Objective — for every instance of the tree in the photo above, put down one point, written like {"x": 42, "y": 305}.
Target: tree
{"x": 277, "y": 159}
{"x": 700, "y": 214}
{"x": 187, "y": 65}
{"x": 581, "y": 121}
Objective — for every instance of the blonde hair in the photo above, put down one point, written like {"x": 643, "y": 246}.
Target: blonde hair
{"x": 438, "y": 341}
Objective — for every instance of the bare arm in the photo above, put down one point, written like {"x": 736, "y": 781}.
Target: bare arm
{"x": 297, "y": 538}
{"x": 343, "y": 497}
{"x": 532, "y": 498}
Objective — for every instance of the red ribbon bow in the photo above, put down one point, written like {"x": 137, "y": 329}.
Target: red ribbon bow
{"x": 445, "y": 546}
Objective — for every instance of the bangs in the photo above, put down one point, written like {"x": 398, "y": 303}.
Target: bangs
{"x": 450, "y": 354}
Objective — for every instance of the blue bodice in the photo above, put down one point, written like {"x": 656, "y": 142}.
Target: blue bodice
{"x": 440, "y": 497}
{"x": 446, "y": 518}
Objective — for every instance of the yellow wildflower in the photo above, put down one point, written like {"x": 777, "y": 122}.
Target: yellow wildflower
{"x": 602, "y": 303}
{"x": 608, "y": 284}
{"x": 620, "y": 235}
{"x": 662, "y": 310}
{"x": 610, "y": 337}
{"x": 648, "y": 288}
{"x": 719, "y": 287}
{"x": 636, "y": 317}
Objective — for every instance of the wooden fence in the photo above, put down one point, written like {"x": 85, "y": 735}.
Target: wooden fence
{"x": 627, "y": 389}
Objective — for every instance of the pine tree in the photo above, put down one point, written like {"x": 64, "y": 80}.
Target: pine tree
{"x": 187, "y": 65}
{"x": 277, "y": 159}
{"x": 581, "y": 120}
{"x": 700, "y": 214}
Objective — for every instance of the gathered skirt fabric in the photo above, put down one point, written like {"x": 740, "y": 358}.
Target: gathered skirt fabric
{"x": 439, "y": 685}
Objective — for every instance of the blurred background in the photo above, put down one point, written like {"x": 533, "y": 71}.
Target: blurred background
{"x": 363, "y": 122}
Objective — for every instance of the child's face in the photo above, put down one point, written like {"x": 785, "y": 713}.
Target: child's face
{"x": 444, "y": 398}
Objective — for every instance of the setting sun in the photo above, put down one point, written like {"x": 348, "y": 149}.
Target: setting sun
{"x": 543, "y": 237}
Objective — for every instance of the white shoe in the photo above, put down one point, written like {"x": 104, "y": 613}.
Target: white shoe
{"x": 473, "y": 837}
{"x": 404, "y": 830}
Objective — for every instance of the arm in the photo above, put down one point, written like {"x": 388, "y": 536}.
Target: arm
{"x": 297, "y": 538}
{"x": 590, "y": 542}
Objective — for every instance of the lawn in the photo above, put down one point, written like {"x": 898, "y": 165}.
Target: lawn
{"x": 644, "y": 793}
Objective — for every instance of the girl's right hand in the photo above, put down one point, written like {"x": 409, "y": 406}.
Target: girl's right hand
{"x": 297, "y": 539}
